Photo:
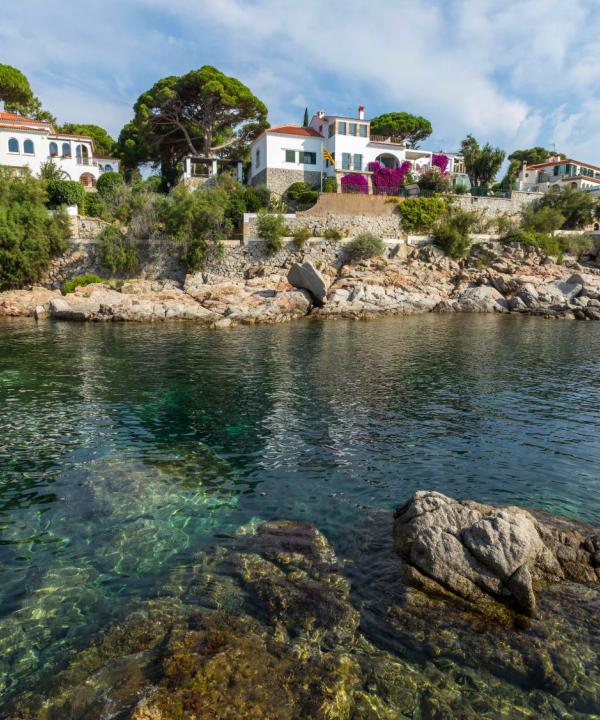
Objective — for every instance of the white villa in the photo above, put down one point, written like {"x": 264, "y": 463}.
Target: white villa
{"x": 27, "y": 143}
{"x": 557, "y": 173}
{"x": 291, "y": 153}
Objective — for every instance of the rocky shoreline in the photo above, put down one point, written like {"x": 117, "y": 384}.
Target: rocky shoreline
{"x": 495, "y": 278}
{"x": 445, "y": 609}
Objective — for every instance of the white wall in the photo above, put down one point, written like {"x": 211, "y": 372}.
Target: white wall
{"x": 277, "y": 144}
{"x": 41, "y": 142}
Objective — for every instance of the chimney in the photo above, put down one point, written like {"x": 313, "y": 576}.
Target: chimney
{"x": 361, "y": 112}
{"x": 321, "y": 114}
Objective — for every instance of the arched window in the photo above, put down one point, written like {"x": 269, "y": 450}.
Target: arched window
{"x": 13, "y": 145}
{"x": 88, "y": 180}
{"x": 28, "y": 147}
{"x": 108, "y": 168}
{"x": 53, "y": 149}
{"x": 66, "y": 150}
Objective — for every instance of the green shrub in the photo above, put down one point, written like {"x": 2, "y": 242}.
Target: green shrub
{"x": 364, "y": 246}
{"x": 65, "y": 192}
{"x": 461, "y": 188}
{"x": 81, "y": 281}
{"x": 301, "y": 194}
{"x": 198, "y": 221}
{"x": 452, "y": 232}
{"x": 30, "y": 236}
{"x": 271, "y": 228}
{"x": 548, "y": 244}
{"x": 330, "y": 185}
{"x": 300, "y": 236}
{"x": 332, "y": 234}
{"x": 504, "y": 224}
{"x": 419, "y": 215}
{"x": 576, "y": 206}
{"x": 576, "y": 245}
{"x": 433, "y": 181}
{"x": 94, "y": 206}
{"x": 542, "y": 219}
{"x": 118, "y": 253}
{"x": 108, "y": 182}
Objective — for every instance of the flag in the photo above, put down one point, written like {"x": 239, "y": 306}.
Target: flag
{"x": 328, "y": 156}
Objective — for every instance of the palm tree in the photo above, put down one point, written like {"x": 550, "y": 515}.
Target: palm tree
{"x": 51, "y": 171}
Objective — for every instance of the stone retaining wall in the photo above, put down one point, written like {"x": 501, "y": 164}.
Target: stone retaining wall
{"x": 495, "y": 206}
{"x": 278, "y": 181}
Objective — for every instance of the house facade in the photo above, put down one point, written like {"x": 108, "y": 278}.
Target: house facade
{"x": 27, "y": 144}
{"x": 557, "y": 173}
{"x": 291, "y": 153}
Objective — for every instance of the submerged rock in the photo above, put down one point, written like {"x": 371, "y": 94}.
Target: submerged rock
{"x": 481, "y": 552}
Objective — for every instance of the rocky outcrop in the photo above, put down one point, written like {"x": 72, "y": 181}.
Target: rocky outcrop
{"x": 495, "y": 278}
{"x": 481, "y": 552}
{"x": 306, "y": 276}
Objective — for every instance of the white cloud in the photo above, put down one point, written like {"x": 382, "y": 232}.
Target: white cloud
{"x": 501, "y": 69}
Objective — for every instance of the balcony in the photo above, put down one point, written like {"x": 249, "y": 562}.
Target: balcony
{"x": 386, "y": 140}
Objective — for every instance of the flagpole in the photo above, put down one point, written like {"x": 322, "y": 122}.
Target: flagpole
{"x": 322, "y": 163}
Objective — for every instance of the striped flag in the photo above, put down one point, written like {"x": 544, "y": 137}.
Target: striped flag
{"x": 328, "y": 156}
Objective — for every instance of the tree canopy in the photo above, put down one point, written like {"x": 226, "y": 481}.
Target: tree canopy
{"x": 481, "y": 163}
{"x": 14, "y": 86}
{"x": 412, "y": 129}
{"x": 530, "y": 156}
{"x": 105, "y": 145}
{"x": 202, "y": 113}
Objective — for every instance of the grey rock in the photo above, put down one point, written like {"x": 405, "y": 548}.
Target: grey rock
{"x": 528, "y": 295}
{"x": 482, "y": 298}
{"x": 558, "y": 291}
{"x": 305, "y": 276}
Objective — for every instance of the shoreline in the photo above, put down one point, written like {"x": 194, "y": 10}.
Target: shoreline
{"x": 496, "y": 278}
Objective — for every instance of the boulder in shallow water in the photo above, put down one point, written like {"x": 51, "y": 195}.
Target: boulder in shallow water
{"x": 481, "y": 552}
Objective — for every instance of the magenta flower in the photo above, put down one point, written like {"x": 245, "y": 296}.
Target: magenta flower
{"x": 440, "y": 161}
{"x": 388, "y": 181}
{"x": 355, "y": 183}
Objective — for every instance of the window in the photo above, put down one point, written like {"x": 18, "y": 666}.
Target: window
{"x": 308, "y": 158}
{"x": 362, "y": 130}
{"x": 108, "y": 168}
{"x": 28, "y": 147}
{"x": 341, "y": 128}
{"x": 53, "y": 149}
{"x": 331, "y": 132}
{"x": 352, "y": 129}
{"x": 13, "y": 145}
{"x": 556, "y": 169}
{"x": 290, "y": 156}
{"x": 357, "y": 162}
{"x": 346, "y": 161}
{"x": 66, "y": 150}
{"x": 257, "y": 158}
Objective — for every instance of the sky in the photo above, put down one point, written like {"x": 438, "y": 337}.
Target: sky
{"x": 516, "y": 73}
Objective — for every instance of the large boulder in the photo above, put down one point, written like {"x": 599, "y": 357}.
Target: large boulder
{"x": 305, "y": 276}
{"x": 558, "y": 291}
{"x": 481, "y": 552}
{"x": 481, "y": 298}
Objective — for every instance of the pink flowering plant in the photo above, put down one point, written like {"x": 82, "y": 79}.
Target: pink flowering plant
{"x": 388, "y": 181}
{"x": 355, "y": 183}
{"x": 440, "y": 161}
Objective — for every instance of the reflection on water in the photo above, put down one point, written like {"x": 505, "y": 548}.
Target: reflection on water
{"x": 127, "y": 450}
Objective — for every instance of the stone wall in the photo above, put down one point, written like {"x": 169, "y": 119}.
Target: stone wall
{"x": 352, "y": 204}
{"x": 495, "y": 206}
{"x": 88, "y": 229}
{"x": 278, "y": 181}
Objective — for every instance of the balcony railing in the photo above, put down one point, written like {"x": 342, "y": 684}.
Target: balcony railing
{"x": 387, "y": 139}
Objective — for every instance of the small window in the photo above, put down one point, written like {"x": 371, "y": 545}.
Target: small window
{"x": 257, "y": 158}
{"x": 53, "y": 149}
{"x": 108, "y": 168}
{"x": 362, "y": 130}
{"x": 346, "y": 161}
{"x": 290, "y": 156}
{"x": 556, "y": 169}
{"x": 331, "y": 132}
{"x": 308, "y": 158}
{"x": 28, "y": 147}
{"x": 341, "y": 128}
{"x": 357, "y": 162}
{"x": 13, "y": 145}
{"x": 66, "y": 150}
{"x": 352, "y": 129}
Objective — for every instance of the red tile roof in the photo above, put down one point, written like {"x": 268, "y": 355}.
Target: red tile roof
{"x": 15, "y": 121}
{"x": 551, "y": 163}
{"x": 295, "y": 130}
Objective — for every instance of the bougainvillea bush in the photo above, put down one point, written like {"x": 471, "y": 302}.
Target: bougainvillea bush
{"x": 440, "y": 161}
{"x": 355, "y": 183}
{"x": 388, "y": 181}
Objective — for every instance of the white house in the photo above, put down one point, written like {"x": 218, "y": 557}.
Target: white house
{"x": 27, "y": 143}
{"x": 291, "y": 153}
{"x": 556, "y": 173}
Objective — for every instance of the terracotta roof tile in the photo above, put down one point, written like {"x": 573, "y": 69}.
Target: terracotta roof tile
{"x": 295, "y": 130}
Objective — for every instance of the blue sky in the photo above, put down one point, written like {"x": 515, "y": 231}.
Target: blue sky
{"x": 516, "y": 73}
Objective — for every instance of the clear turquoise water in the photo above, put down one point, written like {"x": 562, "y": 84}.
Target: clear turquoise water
{"x": 125, "y": 450}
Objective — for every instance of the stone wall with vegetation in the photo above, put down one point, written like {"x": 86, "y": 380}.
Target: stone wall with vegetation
{"x": 494, "y": 206}
{"x": 386, "y": 226}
